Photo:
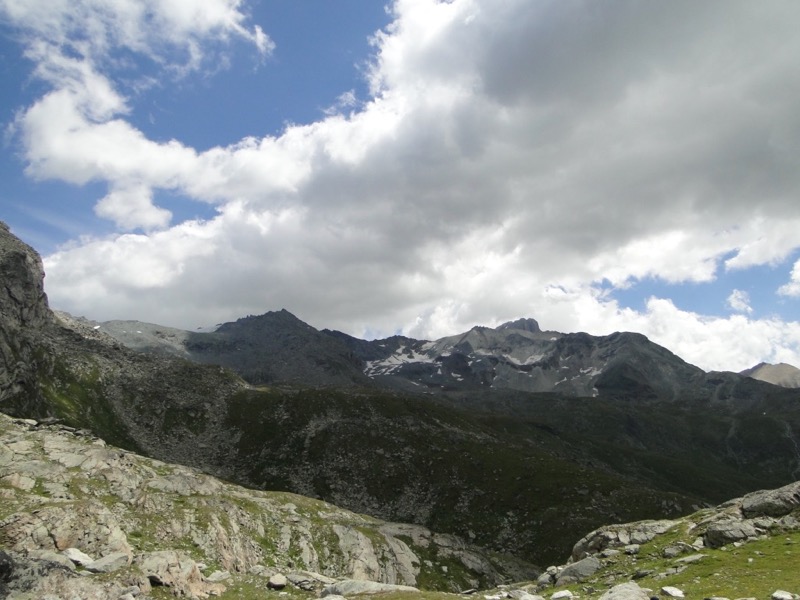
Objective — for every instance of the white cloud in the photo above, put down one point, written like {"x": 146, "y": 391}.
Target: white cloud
{"x": 739, "y": 301}
{"x": 511, "y": 157}
{"x": 792, "y": 288}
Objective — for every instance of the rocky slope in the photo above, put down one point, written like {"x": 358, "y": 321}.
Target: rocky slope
{"x": 73, "y": 505}
{"x": 82, "y": 519}
{"x": 746, "y": 547}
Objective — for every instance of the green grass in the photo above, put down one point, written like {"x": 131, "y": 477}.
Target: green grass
{"x": 753, "y": 569}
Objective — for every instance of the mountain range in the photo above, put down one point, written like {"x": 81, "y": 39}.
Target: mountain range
{"x": 515, "y": 439}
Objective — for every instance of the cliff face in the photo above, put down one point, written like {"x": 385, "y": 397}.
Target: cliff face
{"x": 23, "y": 314}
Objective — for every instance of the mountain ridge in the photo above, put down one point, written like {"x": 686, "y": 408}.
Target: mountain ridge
{"x": 515, "y": 355}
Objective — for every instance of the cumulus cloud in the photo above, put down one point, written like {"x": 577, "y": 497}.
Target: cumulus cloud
{"x": 792, "y": 289}
{"x": 509, "y": 160}
{"x": 739, "y": 301}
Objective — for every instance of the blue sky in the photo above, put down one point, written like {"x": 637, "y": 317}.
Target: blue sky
{"x": 420, "y": 166}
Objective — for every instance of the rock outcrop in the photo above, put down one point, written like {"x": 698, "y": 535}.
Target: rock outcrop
{"x": 23, "y": 312}
{"x": 658, "y": 552}
{"x": 69, "y": 501}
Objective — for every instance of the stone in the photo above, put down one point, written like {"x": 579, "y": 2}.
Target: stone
{"x": 545, "y": 579}
{"x": 632, "y": 549}
{"x": 782, "y": 595}
{"x": 80, "y": 558}
{"x": 21, "y": 482}
{"x": 728, "y": 531}
{"x": 772, "y": 503}
{"x": 625, "y": 591}
{"x": 562, "y": 595}
{"x": 672, "y": 592}
{"x": 218, "y": 576}
{"x": 109, "y": 563}
{"x": 578, "y": 571}
{"x": 53, "y": 557}
{"x": 277, "y": 582}
{"x": 353, "y": 587}
{"x": 692, "y": 558}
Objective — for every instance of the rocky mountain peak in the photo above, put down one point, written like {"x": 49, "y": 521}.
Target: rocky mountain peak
{"x": 530, "y": 325}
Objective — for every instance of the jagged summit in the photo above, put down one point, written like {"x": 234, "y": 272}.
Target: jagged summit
{"x": 524, "y": 324}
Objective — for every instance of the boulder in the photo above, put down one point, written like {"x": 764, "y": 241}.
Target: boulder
{"x": 728, "y": 531}
{"x": 110, "y": 563}
{"x": 620, "y": 536}
{"x": 353, "y": 587}
{"x": 578, "y": 571}
{"x": 672, "y": 592}
{"x": 782, "y": 595}
{"x": 772, "y": 503}
{"x": 80, "y": 558}
{"x": 625, "y": 591}
{"x": 277, "y": 582}
{"x": 177, "y": 571}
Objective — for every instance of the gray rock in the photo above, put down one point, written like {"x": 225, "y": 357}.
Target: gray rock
{"x": 578, "y": 571}
{"x": 353, "y": 587}
{"x": 672, "y": 591}
{"x": 625, "y": 591}
{"x": 277, "y": 582}
{"x": 177, "y": 571}
{"x": 728, "y": 531}
{"x": 78, "y": 557}
{"x": 110, "y": 563}
{"x": 545, "y": 579}
{"x": 631, "y": 549}
{"x": 562, "y": 595}
{"x": 218, "y": 576}
{"x": 51, "y": 556}
{"x": 782, "y": 595}
{"x": 772, "y": 503}
{"x": 692, "y": 558}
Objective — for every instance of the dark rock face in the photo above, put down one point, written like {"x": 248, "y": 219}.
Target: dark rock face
{"x": 23, "y": 313}
{"x": 6, "y": 567}
{"x": 23, "y": 302}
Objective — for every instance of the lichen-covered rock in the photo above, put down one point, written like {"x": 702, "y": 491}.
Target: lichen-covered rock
{"x": 86, "y": 500}
{"x": 619, "y": 536}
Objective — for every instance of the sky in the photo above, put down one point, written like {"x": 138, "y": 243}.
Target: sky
{"x": 414, "y": 167}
